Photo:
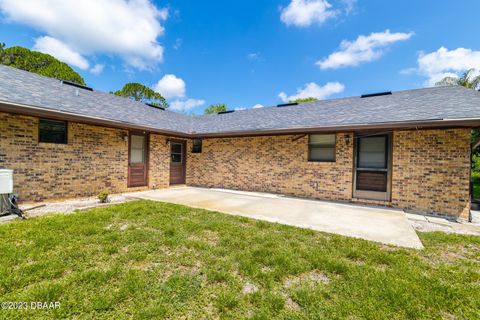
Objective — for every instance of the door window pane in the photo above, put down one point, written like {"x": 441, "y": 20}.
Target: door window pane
{"x": 137, "y": 149}
{"x": 176, "y": 148}
{"x": 176, "y": 152}
{"x": 372, "y": 152}
{"x": 176, "y": 157}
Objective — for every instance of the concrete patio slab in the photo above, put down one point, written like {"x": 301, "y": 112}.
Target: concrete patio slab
{"x": 371, "y": 223}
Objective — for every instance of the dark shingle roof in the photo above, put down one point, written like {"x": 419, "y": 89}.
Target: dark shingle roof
{"x": 429, "y": 104}
{"x": 437, "y": 103}
{"x": 18, "y": 86}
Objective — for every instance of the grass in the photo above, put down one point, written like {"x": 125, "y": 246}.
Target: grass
{"x": 150, "y": 260}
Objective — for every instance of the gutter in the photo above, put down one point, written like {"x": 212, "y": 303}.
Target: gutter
{"x": 71, "y": 116}
{"x": 406, "y": 125}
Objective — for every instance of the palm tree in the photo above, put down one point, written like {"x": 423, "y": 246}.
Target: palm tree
{"x": 468, "y": 80}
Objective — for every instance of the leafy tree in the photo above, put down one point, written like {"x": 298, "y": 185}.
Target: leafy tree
{"x": 139, "y": 92}
{"x": 37, "y": 62}
{"x": 467, "y": 80}
{"x": 216, "y": 108}
{"x": 301, "y": 100}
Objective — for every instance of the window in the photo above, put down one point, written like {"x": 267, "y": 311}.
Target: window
{"x": 137, "y": 149}
{"x": 52, "y": 131}
{"x": 321, "y": 147}
{"x": 197, "y": 146}
{"x": 176, "y": 152}
{"x": 372, "y": 152}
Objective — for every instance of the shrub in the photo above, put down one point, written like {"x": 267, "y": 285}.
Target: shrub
{"x": 103, "y": 196}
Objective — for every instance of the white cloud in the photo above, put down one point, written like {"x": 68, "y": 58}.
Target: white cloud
{"x": 258, "y": 105}
{"x": 363, "y": 49}
{"x": 313, "y": 90}
{"x": 303, "y": 13}
{"x": 126, "y": 28}
{"x": 97, "y": 69}
{"x": 60, "y": 51}
{"x": 350, "y": 6}
{"x": 185, "y": 104}
{"x": 170, "y": 86}
{"x": 240, "y": 108}
{"x": 442, "y": 63}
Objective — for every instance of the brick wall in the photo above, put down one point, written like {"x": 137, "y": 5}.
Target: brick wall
{"x": 272, "y": 164}
{"x": 431, "y": 171}
{"x": 95, "y": 158}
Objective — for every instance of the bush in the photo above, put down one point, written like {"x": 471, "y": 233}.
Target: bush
{"x": 103, "y": 196}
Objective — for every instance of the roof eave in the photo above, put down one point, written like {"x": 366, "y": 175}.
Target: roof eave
{"x": 70, "y": 116}
{"x": 399, "y": 125}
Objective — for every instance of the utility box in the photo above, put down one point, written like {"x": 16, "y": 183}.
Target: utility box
{"x": 6, "y": 181}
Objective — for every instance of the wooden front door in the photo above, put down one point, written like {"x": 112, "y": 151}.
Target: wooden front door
{"x": 138, "y": 159}
{"x": 372, "y": 167}
{"x": 177, "y": 162}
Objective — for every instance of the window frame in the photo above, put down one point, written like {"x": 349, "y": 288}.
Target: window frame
{"x": 52, "y": 120}
{"x": 310, "y": 144}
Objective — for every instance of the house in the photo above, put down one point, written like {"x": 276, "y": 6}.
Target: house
{"x": 407, "y": 149}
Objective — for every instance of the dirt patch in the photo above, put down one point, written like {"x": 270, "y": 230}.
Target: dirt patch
{"x": 290, "y": 304}
{"x": 249, "y": 288}
{"x": 71, "y": 205}
{"x": 313, "y": 277}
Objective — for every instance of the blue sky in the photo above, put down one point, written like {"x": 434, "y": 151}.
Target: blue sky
{"x": 251, "y": 53}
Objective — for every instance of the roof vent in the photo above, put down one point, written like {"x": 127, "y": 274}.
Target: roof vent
{"x": 228, "y": 111}
{"x": 287, "y": 104}
{"x": 154, "y": 106}
{"x": 73, "y": 84}
{"x": 378, "y": 94}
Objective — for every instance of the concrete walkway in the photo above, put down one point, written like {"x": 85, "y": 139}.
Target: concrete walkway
{"x": 370, "y": 223}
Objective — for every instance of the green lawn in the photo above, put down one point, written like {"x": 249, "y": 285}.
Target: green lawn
{"x": 153, "y": 260}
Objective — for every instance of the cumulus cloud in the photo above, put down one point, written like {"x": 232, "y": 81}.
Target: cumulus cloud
{"x": 97, "y": 69}
{"x": 442, "y": 63}
{"x": 363, "y": 49}
{"x": 258, "y": 105}
{"x": 61, "y": 51}
{"x": 313, "y": 90}
{"x": 185, "y": 104}
{"x": 126, "y": 28}
{"x": 303, "y": 13}
{"x": 170, "y": 86}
